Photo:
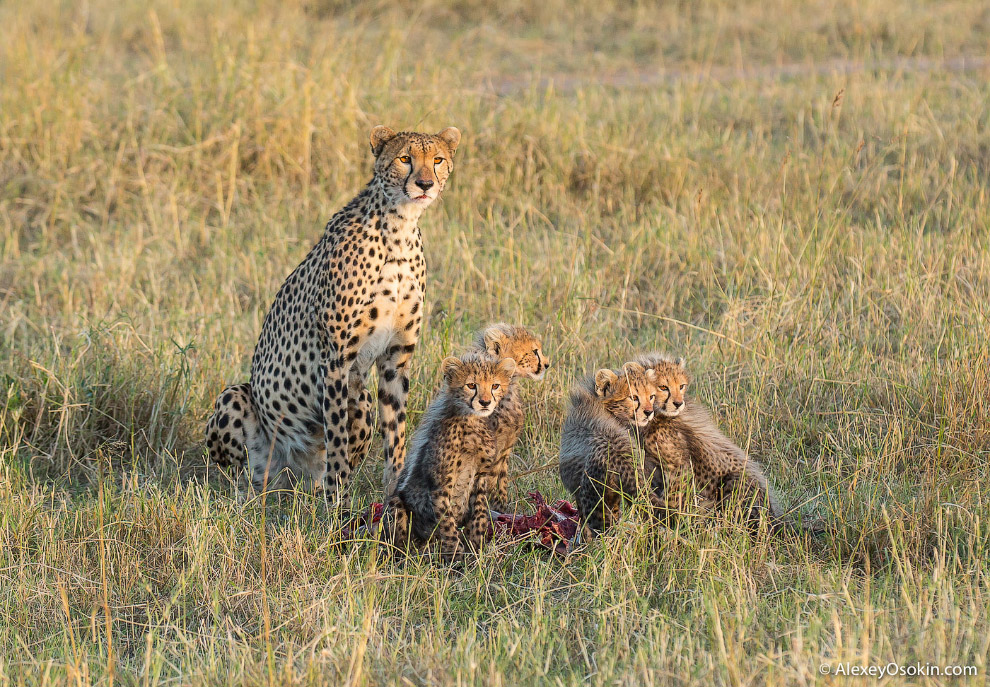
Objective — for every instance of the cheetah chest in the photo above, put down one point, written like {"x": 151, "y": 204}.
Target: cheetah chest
{"x": 391, "y": 316}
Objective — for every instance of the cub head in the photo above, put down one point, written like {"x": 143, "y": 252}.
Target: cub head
{"x": 413, "y": 167}
{"x": 476, "y": 383}
{"x": 672, "y": 382}
{"x": 627, "y": 395}
{"x": 510, "y": 341}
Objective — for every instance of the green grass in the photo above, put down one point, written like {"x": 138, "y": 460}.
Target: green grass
{"x": 792, "y": 196}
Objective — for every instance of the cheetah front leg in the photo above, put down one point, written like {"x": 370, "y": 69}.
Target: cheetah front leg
{"x": 593, "y": 502}
{"x": 393, "y": 390}
{"x": 335, "y": 434}
{"x": 677, "y": 481}
{"x": 395, "y": 526}
{"x": 500, "y": 481}
{"x": 451, "y": 548}
{"x": 480, "y": 519}
{"x": 359, "y": 419}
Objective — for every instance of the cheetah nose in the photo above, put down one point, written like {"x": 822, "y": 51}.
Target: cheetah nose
{"x": 678, "y": 404}
{"x": 424, "y": 184}
{"x": 484, "y": 403}
{"x": 647, "y": 411}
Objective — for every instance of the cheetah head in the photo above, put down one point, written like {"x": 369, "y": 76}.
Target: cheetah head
{"x": 510, "y": 341}
{"x": 672, "y": 381}
{"x": 476, "y": 383}
{"x": 413, "y": 167}
{"x": 629, "y": 395}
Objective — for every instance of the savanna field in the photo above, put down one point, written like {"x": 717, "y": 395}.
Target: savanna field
{"x": 794, "y": 196}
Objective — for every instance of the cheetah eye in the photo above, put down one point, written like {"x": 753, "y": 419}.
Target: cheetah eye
{"x": 663, "y": 388}
{"x": 635, "y": 399}
{"x": 471, "y": 385}
{"x": 405, "y": 159}
{"x": 437, "y": 160}
{"x": 653, "y": 397}
{"x": 496, "y": 386}
{"x": 683, "y": 387}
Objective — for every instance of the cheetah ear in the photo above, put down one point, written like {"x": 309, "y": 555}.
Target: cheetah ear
{"x": 651, "y": 375}
{"x": 633, "y": 368}
{"x": 604, "y": 382}
{"x": 450, "y": 366}
{"x": 451, "y": 136}
{"x": 380, "y": 135}
{"x": 493, "y": 340}
{"x": 679, "y": 362}
{"x": 507, "y": 367}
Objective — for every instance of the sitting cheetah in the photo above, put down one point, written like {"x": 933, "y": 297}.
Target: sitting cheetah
{"x": 355, "y": 301}
{"x": 598, "y": 463}
{"x": 448, "y": 479}
{"x": 683, "y": 440}
{"x": 510, "y": 341}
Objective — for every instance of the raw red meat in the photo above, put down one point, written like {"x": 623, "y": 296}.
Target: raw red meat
{"x": 550, "y": 526}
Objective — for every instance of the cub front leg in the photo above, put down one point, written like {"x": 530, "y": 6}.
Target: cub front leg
{"x": 393, "y": 391}
{"x": 451, "y": 549}
{"x": 500, "y": 488}
{"x": 592, "y": 503}
{"x": 480, "y": 518}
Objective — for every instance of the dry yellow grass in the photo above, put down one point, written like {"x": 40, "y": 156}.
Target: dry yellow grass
{"x": 792, "y": 196}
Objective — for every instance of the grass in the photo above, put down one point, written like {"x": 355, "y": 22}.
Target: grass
{"x": 694, "y": 177}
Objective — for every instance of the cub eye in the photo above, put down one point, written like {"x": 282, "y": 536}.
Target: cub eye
{"x": 471, "y": 385}
{"x": 653, "y": 397}
{"x": 496, "y": 386}
{"x": 683, "y": 387}
{"x": 405, "y": 159}
{"x": 437, "y": 160}
{"x": 663, "y": 388}
{"x": 635, "y": 399}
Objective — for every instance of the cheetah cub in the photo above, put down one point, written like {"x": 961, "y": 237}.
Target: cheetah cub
{"x": 448, "y": 477}
{"x": 598, "y": 460}
{"x": 683, "y": 440}
{"x": 499, "y": 341}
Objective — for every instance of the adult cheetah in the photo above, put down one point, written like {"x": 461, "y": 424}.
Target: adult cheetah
{"x": 355, "y": 301}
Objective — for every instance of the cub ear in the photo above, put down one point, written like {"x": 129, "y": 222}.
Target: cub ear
{"x": 507, "y": 367}
{"x": 451, "y": 136}
{"x": 494, "y": 340}
{"x": 380, "y": 135}
{"x": 633, "y": 369}
{"x": 680, "y": 362}
{"x": 605, "y": 381}
{"x": 450, "y": 366}
{"x": 651, "y": 375}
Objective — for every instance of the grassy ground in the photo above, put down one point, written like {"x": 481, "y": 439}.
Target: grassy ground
{"x": 691, "y": 178}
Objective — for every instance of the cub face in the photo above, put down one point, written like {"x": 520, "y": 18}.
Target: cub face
{"x": 510, "y": 341}
{"x": 414, "y": 166}
{"x": 672, "y": 382}
{"x": 629, "y": 395}
{"x": 477, "y": 384}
